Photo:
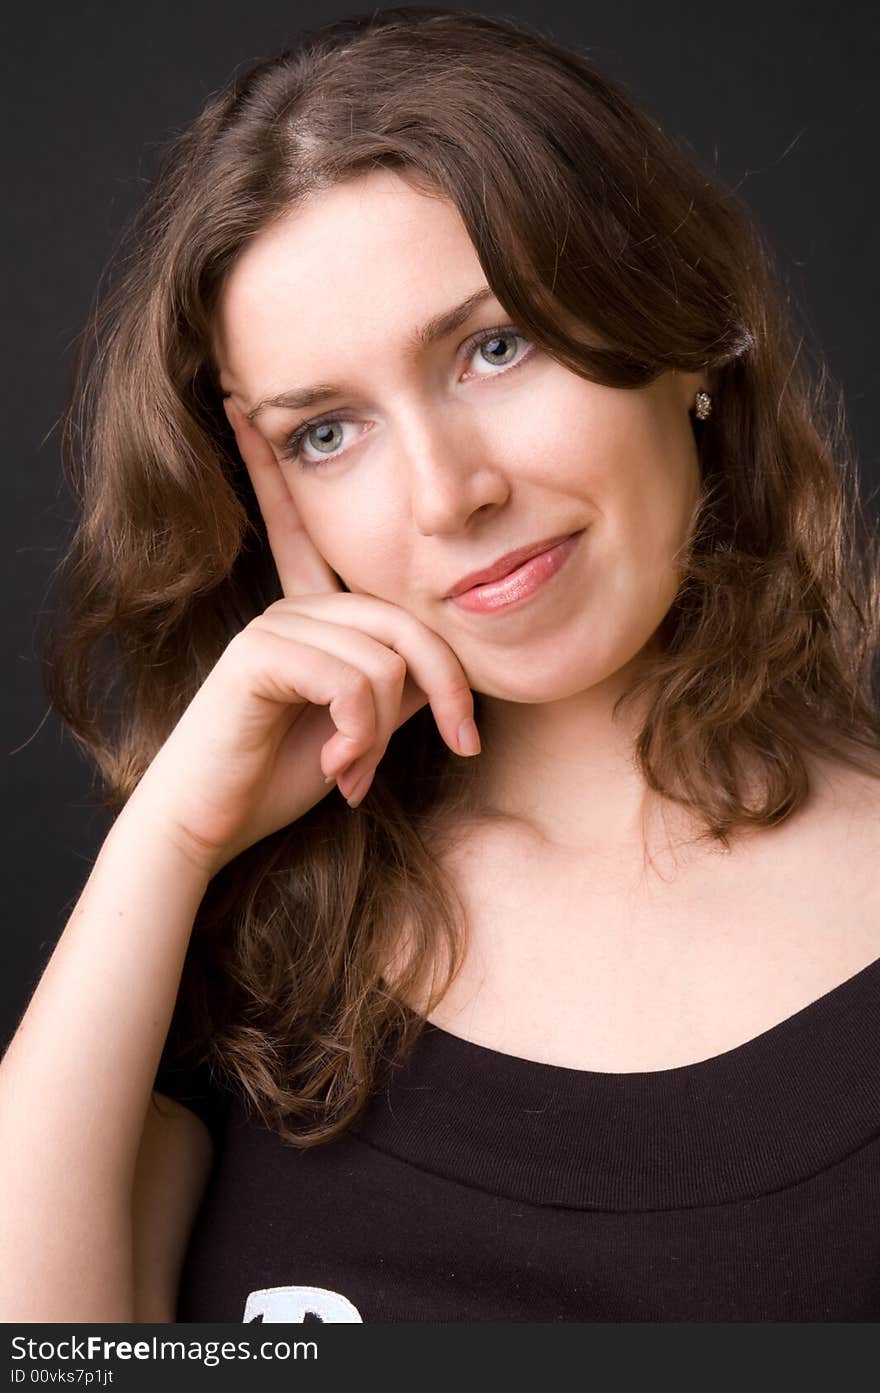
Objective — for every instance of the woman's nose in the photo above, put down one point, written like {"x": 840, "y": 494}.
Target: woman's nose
{"x": 451, "y": 475}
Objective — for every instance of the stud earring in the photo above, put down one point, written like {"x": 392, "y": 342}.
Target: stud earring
{"x": 703, "y": 404}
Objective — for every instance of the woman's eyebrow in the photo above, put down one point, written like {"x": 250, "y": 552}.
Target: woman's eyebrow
{"x": 446, "y": 322}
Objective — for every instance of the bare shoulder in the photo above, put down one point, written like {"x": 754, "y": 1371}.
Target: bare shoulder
{"x": 848, "y": 802}
{"x": 840, "y": 848}
{"x": 173, "y": 1166}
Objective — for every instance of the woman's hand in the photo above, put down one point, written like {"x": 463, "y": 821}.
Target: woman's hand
{"x": 310, "y": 690}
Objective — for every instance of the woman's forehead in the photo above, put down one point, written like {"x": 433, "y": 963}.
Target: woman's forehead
{"x": 375, "y": 227}
{"x": 355, "y": 269}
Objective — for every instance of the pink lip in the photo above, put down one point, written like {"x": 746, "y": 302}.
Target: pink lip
{"x": 504, "y": 565}
{"x": 521, "y": 582}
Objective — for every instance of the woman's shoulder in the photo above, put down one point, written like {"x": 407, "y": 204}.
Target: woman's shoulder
{"x": 846, "y": 824}
{"x": 699, "y": 965}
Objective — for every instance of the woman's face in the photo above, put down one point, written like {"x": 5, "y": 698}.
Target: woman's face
{"x": 434, "y": 461}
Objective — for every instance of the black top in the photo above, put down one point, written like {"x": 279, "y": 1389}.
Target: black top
{"x": 480, "y": 1186}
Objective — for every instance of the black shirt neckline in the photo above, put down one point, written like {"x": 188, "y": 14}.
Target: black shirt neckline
{"x": 767, "y": 1114}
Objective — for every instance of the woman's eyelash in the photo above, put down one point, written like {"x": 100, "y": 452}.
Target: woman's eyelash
{"x": 290, "y": 449}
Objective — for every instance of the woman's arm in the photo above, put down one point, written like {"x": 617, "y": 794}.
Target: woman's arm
{"x": 173, "y": 1168}
{"x": 76, "y": 1080}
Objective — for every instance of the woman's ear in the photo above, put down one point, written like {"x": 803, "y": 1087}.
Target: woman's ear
{"x": 692, "y": 382}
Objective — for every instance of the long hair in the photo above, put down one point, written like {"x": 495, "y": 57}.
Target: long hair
{"x": 615, "y": 251}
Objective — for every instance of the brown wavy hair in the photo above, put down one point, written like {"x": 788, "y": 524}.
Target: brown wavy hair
{"x": 592, "y": 227}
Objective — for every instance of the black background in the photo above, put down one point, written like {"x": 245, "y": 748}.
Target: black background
{"x": 780, "y": 99}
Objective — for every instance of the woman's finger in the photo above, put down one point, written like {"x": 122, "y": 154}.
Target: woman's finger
{"x": 430, "y": 661}
{"x": 301, "y": 568}
{"x": 384, "y": 669}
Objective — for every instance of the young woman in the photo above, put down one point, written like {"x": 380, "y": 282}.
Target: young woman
{"x": 472, "y": 620}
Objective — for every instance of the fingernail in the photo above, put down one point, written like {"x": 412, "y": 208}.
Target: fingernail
{"x": 330, "y": 779}
{"x": 469, "y": 737}
{"x": 359, "y": 791}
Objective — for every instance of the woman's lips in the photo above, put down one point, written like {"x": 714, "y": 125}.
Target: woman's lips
{"x": 521, "y": 583}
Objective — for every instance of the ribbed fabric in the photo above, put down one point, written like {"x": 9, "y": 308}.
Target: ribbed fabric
{"x": 765, "y": 1114}
{"x": 480, "y": 1186}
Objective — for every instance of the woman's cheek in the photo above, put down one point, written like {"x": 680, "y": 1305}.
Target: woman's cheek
{"x": 364, "y": 567}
